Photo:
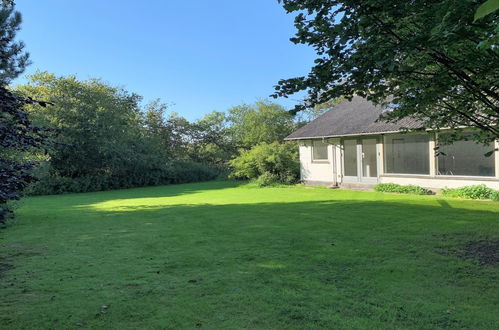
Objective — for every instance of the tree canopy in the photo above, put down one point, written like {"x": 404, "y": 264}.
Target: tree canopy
{"x": 262, "y": 122}
{"x": 13, "y": 59}
{"x": 18, "y": 135}
{"x": 427, "y": 59}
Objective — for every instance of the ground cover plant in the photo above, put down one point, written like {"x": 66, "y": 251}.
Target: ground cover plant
{"x": 402, "y": 189}
{"x": 479, "y": 191}
{"x": 225, "y": 255}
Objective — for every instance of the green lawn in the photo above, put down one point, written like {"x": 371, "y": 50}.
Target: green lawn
{"x": 218, "y": 255}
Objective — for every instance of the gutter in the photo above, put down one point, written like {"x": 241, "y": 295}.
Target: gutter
{"x": 361, "y": 134}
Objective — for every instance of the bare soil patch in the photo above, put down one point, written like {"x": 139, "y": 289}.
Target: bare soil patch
{"x": 486, "y": 252}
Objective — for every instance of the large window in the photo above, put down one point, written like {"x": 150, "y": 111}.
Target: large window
{"x": 466, "y": 158}
{"x": 350, "y": 157}
{"x": 319, "y": 150}
{"x": 407, "y": 154}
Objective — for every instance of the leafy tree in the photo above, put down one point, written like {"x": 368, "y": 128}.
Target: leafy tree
{"x": 268, "y": 163}
{"x": 262, "y": 122}
{"x": 426, "y": 57}
{"x": 163, "y": 130}
{"x": 213, "y": 139}
{"x": 100, "y": 127}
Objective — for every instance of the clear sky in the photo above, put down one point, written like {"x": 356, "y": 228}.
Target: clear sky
{"x": 200, "y": 55}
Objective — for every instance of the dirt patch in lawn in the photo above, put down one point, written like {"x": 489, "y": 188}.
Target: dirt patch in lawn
{"x": 5, "y": 267}
{"x": 486, "y": 252}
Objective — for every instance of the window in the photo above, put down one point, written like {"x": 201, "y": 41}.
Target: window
{"x": 466, "y": 158}
{"x": 407, "y": 154}
{"x": 350, "y": 157}
{"x": 319, "y": 150}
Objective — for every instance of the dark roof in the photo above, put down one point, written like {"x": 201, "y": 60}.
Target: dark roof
{"x": 354, "y": 117}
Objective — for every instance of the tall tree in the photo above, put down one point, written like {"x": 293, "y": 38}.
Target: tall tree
{"x": 100, "y": 126}
{"x": 18, "y": 135}
{"x": 13, "y": 58}
{"x": 423, "y": 58}
{"x": 213, "y": 139}
{"x": 262, "y": 122}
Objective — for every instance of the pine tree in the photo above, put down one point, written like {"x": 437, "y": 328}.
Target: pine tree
{"x": 17, "y": 134}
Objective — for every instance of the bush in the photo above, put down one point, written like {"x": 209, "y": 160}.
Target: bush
{"x": 480, "y": 191}
{"x": 402, "y": 189}
{"x": 186, "y": 171}
{"x": 267, "y": 164}
{"x": 266, "y": 179}
{"x": 177, "y": 172}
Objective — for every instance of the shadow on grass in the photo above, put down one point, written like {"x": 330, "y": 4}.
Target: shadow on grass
{"x": 286, "y": 263}
{"x": 372, "y": 215}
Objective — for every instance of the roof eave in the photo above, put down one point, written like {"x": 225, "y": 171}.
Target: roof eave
{"x": 355, "y": 134}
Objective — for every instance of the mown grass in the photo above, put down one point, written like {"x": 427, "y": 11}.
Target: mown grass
{"x": 218, "y": 255}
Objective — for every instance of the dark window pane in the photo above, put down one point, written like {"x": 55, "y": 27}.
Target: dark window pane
{"x": 407, "y": 154}
{"x": 466, "y": 158}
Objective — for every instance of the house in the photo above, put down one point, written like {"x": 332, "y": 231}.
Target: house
{"x": 348, "y": 146}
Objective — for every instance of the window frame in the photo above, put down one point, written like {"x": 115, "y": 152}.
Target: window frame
{"x": 466, "y": 176}
{"x": 385, "y": 148}
{"x": 321, "y": 160}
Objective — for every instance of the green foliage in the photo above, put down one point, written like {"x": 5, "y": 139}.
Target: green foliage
{"x": 176, "y": 172}
{"x": 486, "y": 8}
{"x": 423, "y": 59}
{"x": 268, "y": 163}
{"x": 19, "y": 136}
{"x": 402, "y": 189}
{"x": 480, "y": 191}
{"x": 188, "y": 171}
{"x": 262, "y": 122}
{"x": 212, "y": 140}
{"x": 13, "y": 59}
{"x": 100, "y": 127}
{"x": 106, "y": 140}
{"x": 267, "y": 179}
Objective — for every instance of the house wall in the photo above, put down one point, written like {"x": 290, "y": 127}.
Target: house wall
{"x": 330, "y": 172}
{"x": 315, "y": 172}
{"x": 438, "y": 182}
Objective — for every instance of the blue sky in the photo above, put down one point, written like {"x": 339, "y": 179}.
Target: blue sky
{"x": 200, "y": 55}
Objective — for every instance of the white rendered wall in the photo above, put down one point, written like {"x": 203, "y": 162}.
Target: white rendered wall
{"x": 315, "y": 171}
{"x": 439, "y": 183}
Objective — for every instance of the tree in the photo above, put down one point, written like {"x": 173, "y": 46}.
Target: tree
{"x": 213, "y": 139}
{"x": 13, "y": 59}
{"x": 268, "y": 163}
{"x": 100, "y": 127}
{"x": 422, "y": 58}
{"x": 18, "y": 135}
{"x": 262, "y": 122}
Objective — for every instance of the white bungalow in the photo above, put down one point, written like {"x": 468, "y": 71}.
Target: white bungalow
{"x": 347, "y": 146}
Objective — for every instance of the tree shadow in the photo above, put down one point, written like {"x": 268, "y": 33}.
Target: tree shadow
{"x": 292, "y": 262}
